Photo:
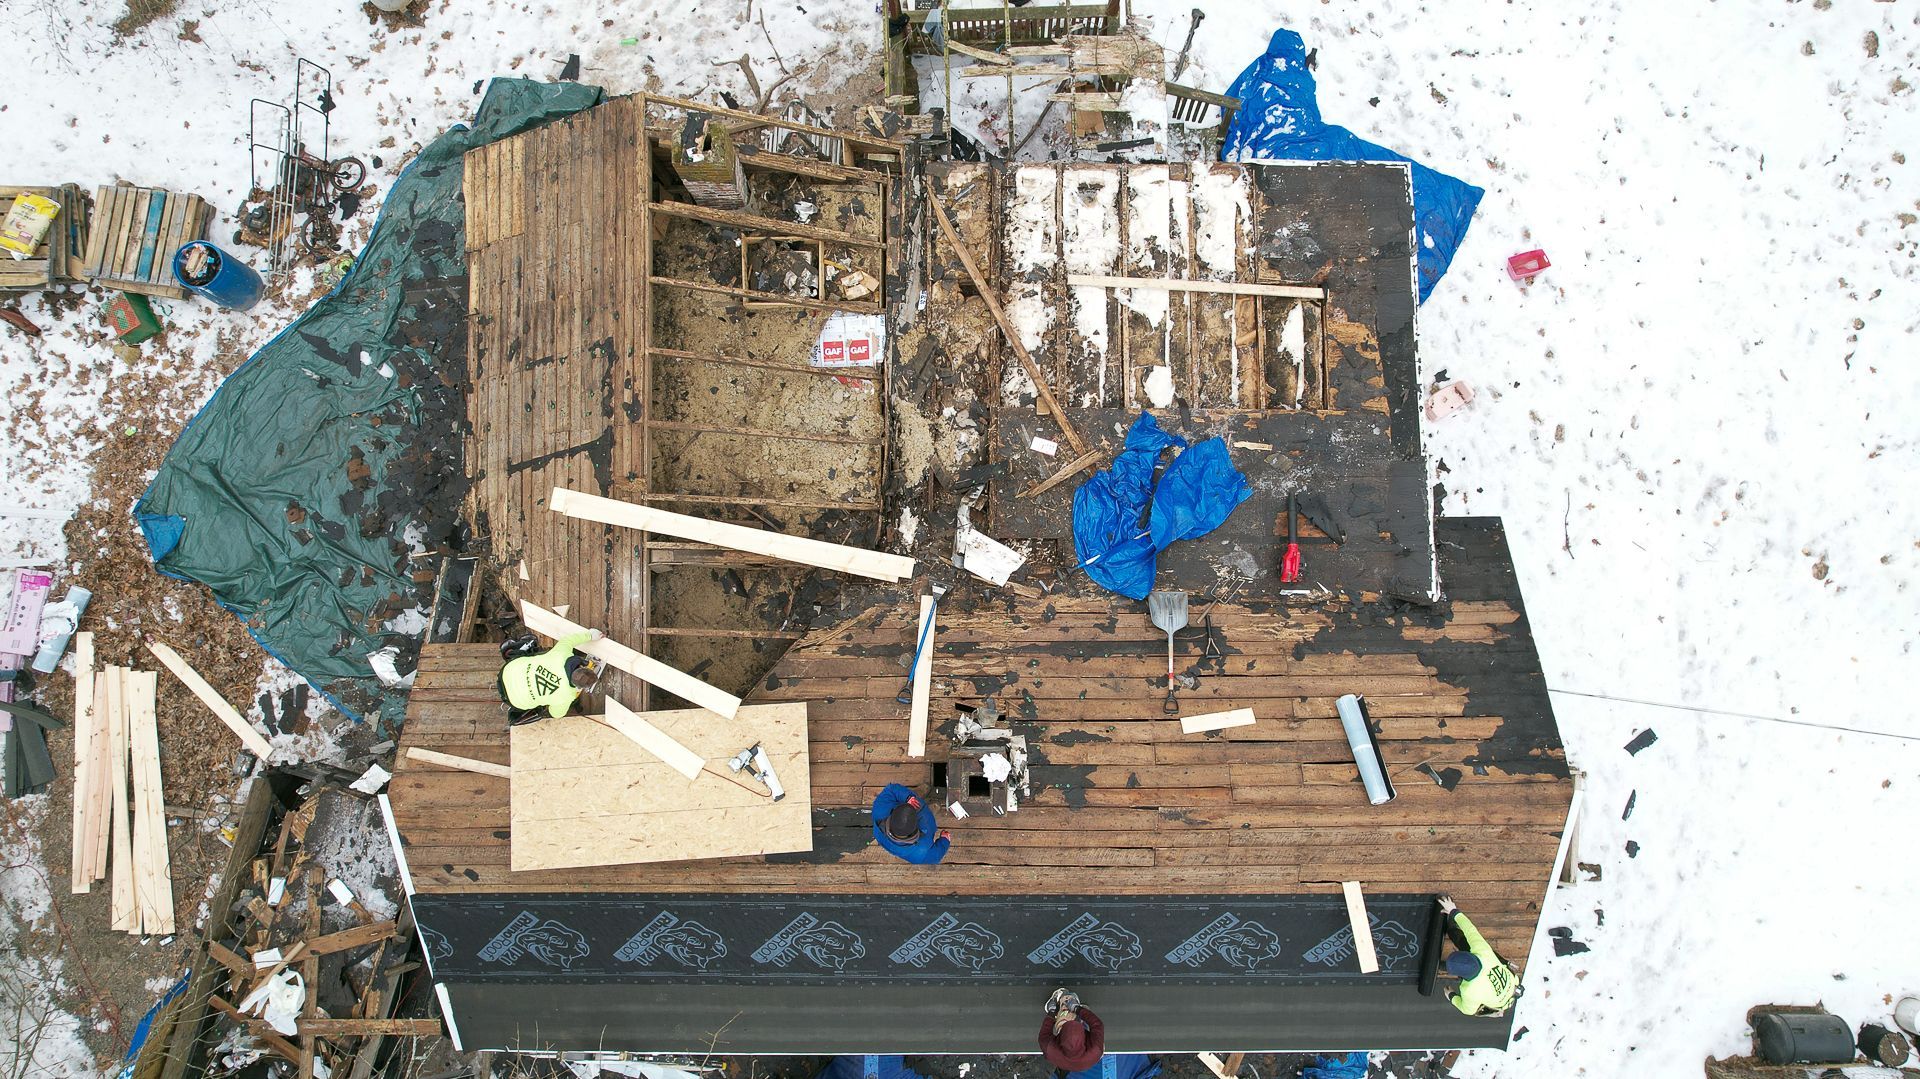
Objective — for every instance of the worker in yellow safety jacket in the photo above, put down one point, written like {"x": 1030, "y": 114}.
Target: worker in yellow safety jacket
{"x": 1487, "y": 985}
{"x": 547, "y": 681}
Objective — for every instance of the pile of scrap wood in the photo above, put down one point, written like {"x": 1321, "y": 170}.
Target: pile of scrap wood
{"x": 119, "y": 812}
{"x": 309, "y": 974}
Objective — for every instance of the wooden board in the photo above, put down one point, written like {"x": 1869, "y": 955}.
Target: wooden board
{"x": 1363, "y": 950}
{"x": 224, "y": 712}
{"x": 1215, "y": 721}
{"x": 646, "y": 668}
{"x": 81, "y": 871}
{"x": 1170, "y": 284}
{"x": 584, "y": 794}
{"x": 464, "y": 764}
{"x": 125, "y": 917}
{"x": 152, "y": 875}
{"x": 644, "y": 734}
{"x": 875, "y": 564}
{"x": 922, "y": 681}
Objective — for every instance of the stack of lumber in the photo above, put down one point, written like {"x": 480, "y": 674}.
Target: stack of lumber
{"x": 136, "y": 231}
{"x": 119, "y": 810}
{"x": 350, "y": 976}
{"x": 58, "y": 258}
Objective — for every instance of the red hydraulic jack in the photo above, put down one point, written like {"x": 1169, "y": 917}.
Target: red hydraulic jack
{"x": 1290, "y": 562}
{"x": 1526, "y": 265}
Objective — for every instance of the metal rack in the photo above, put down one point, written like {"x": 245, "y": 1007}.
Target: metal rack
{"x": 289, "y": 146}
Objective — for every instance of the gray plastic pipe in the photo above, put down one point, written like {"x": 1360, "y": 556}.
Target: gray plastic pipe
{"x": 1366, "y": 749}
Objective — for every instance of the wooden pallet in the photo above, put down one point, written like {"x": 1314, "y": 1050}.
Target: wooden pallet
{"x": 136, "y": 232}
{"x": 57, "y": 259}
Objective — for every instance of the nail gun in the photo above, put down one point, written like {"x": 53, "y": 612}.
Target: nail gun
{"x": 754, "y": 761}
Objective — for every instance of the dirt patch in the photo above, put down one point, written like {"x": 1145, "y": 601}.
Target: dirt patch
{"x": 141, "y": 12}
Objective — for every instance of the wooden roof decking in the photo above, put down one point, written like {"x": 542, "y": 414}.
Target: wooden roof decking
{"x": 582, "y": 377}
{"x": 555, "y": 217}
{"x": 1123, "y": 803}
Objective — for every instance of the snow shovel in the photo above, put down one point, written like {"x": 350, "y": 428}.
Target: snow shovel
{"x": 1169, "y": 612}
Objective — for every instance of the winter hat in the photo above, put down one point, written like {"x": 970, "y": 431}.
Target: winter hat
{"x": 1073, "y": 1036}
{"x": 1463, "y": 965}
{"x": 903, "y": 824}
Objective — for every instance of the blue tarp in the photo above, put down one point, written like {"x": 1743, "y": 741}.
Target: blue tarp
{"x": 1340, "y": 1066}
{"x": 868, "y": 1067}
{"x": 1196, "y": 493}
{"x": 1120, "y": 1066}
{"x": 1279, "y": 120}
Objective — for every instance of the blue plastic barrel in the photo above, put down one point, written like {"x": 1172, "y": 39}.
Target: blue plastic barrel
{"x": 226, "y": 280}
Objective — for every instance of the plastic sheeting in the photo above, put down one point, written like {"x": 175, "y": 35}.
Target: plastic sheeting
{"x": 1279, "y": 120}
{"x": 1194, "y": 496}
{"x": 299, "y": 494}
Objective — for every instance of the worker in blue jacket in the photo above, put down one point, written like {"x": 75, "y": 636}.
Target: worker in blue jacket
{"x": 905, "y": 827}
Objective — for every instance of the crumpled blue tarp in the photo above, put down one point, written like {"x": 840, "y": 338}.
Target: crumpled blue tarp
{"x": 1120, "y": 1066}
{"x": 1196, "y": 493}
{"x": 1279, "y": 120}
{"x": 1339, "y": 1066}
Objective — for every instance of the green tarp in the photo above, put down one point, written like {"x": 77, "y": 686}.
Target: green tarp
{"x": 301, "y": 492}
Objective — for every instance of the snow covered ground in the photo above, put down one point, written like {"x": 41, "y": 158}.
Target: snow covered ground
{"x": 1697, "y": 425}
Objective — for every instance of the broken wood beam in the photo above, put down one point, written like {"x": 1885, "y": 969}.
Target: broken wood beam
{"x": 761, "y": 432}
{"x": 259, "y": 1028}
{"x": 1067, "y": 471}
{"x": 1040, "y": 387}
{"x": 641, "y": 666}
{"x": 358, "y": 936}
{"x": 1362, "y": 929}
{"x": 224, "y": 712}
{"x": 771, "y": 226}
{"x": 464, "y": 764}
{"x": 739, "y": 293}
{"x": 1175, "y": 284}
{"x": 810, "y": 552}
{"x": 323, "y": 1027}
{"x": 995, "y": 58}
{"x": 881, "y": 143}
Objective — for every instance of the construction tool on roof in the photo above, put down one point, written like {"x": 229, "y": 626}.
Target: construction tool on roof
{"x": 1290, "y": 562}
{"x": 754, "y": 761}
{"x": 1168, "y": 611}
{"x": 926, "y": 631}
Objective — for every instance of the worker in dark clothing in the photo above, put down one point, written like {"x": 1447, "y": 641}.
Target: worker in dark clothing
{"x": 1487, "y": 985}
{"x": 1072, "y": 1038}
{"x": 535, "y": 682}
{"x": 905, "y": 827}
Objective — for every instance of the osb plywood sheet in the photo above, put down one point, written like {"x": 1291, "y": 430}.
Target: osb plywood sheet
{"x": 583, "y": 794}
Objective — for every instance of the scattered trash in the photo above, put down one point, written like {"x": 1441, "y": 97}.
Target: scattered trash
{"x": 57, "y": 623}
{"x": 1044, "y": 445}
{"x": 1564, "y": 944}
{"x": 370, "y": 781}
{"x": 1526, "y": 265}
{"x": 1448, "y": 398}
{"x": 131, "y": 318}
{"x": 12, "y": 317}
{"x": 985, "y": 557}
{"x": 27, "y": 224}
{"x": 20, "y": 633}
{"x": 210, "y": 272}
{"x": 1642, "y": 740}
{"x": 850, "y": 340}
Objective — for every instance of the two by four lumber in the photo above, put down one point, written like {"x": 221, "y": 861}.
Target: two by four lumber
{"x": 81, "y": 873}
{"x": 252, "y": 739}
{"x": 1214, "y": 721}
{"x": 1174, "y": 284}
{"x": 152, "y": 877}
{"x": 922, "y": 680}
{"x": 644, "y": 667}
{"x": 653, "y": 739}
{"x": 464, "y": 764}
{"x": 809, "y": 552}
{"x": 1362, "y": 929}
